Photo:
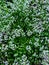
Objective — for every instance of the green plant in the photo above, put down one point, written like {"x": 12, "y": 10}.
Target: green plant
{"x": 24, "y": 31}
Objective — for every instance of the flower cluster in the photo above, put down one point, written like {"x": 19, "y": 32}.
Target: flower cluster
{"x": 24, "y": 32}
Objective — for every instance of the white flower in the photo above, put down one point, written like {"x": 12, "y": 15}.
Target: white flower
{"x": 22, "y": 32}
{"x": 30, "y": 42}
{"x": 24, "y": 60}
{"x": 6, "y": 62}
{"x": 4, "y": 47}
{"x": 17, "y": 63}
{"x": 28, "y": 48}
{"x": 46, "y": 57}
{"x": 13, "y": 36}
{"x": 36, "y": 44}
{"x": 29, "y": 32}
{"x": 41, "y": 48}
{"x": 5, "y": 37}
{"x": 24, "y": 57}
{"x": 12, "y": 46}
{"x": 17, "y": 32}
{"x": 37, "y": 39}
{"x": 48, "y": 8}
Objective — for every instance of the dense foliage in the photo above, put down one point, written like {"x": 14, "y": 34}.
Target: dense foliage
{"x": 24, "y": 32}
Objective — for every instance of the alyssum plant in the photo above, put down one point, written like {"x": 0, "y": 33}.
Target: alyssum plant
{"x": 24, "y": 31}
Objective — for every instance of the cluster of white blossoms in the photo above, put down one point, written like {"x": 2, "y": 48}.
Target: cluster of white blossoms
{"x": 24, "y": 60}
{"x": 28, "y": 48}
{"x": 4, "y": 47}
{"x": 38, "y": 28}
{"x": 18, "y": 33}
{"x": 36, "y": 44}
{"x": 12, "y": 46}
{"x": 45, "y": 57}
{"x": 5, "y": 62}
{"x": 24, "y": 26}
{"x": 29, "y": 33}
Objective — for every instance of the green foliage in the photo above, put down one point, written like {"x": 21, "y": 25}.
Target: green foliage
{"x": 24, "y": 31}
